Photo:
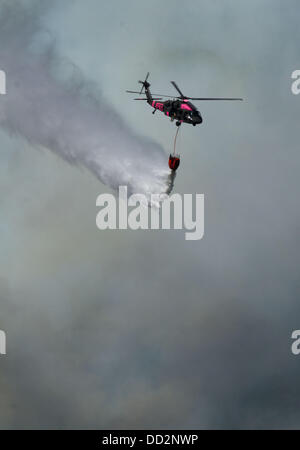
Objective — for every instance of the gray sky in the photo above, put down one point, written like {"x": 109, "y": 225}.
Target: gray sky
{"x": 123, "y": 329}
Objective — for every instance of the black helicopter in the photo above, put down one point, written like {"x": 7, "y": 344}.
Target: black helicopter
{"x": 179, "y": 109}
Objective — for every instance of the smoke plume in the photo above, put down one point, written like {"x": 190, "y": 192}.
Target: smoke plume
{"x": 68, "y": 115}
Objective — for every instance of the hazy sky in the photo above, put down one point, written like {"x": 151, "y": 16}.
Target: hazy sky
{"x": 123, "y": 329}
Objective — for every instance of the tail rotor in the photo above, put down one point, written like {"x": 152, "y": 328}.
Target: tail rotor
{"x": 145, "y": 84}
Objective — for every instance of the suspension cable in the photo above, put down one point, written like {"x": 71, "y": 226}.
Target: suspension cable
{"x": 174, "y": 152}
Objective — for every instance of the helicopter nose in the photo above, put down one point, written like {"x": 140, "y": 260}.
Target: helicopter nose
{"x": 198, "y": 119}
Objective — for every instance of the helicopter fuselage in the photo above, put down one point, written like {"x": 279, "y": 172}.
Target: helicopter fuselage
{"x": 180, "y": 110}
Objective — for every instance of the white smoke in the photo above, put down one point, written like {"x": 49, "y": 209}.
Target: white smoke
{"x": 68, "y": 117}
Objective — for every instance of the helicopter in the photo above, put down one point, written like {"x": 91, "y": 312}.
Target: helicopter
{"x": 179, "y": 108}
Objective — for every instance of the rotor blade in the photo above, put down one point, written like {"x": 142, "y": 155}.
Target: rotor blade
{"x": 154, "y": 98}
{"x": 161, "y": 95}
{"x": 177, "y": 89}
{"x": 212, "y": 98}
